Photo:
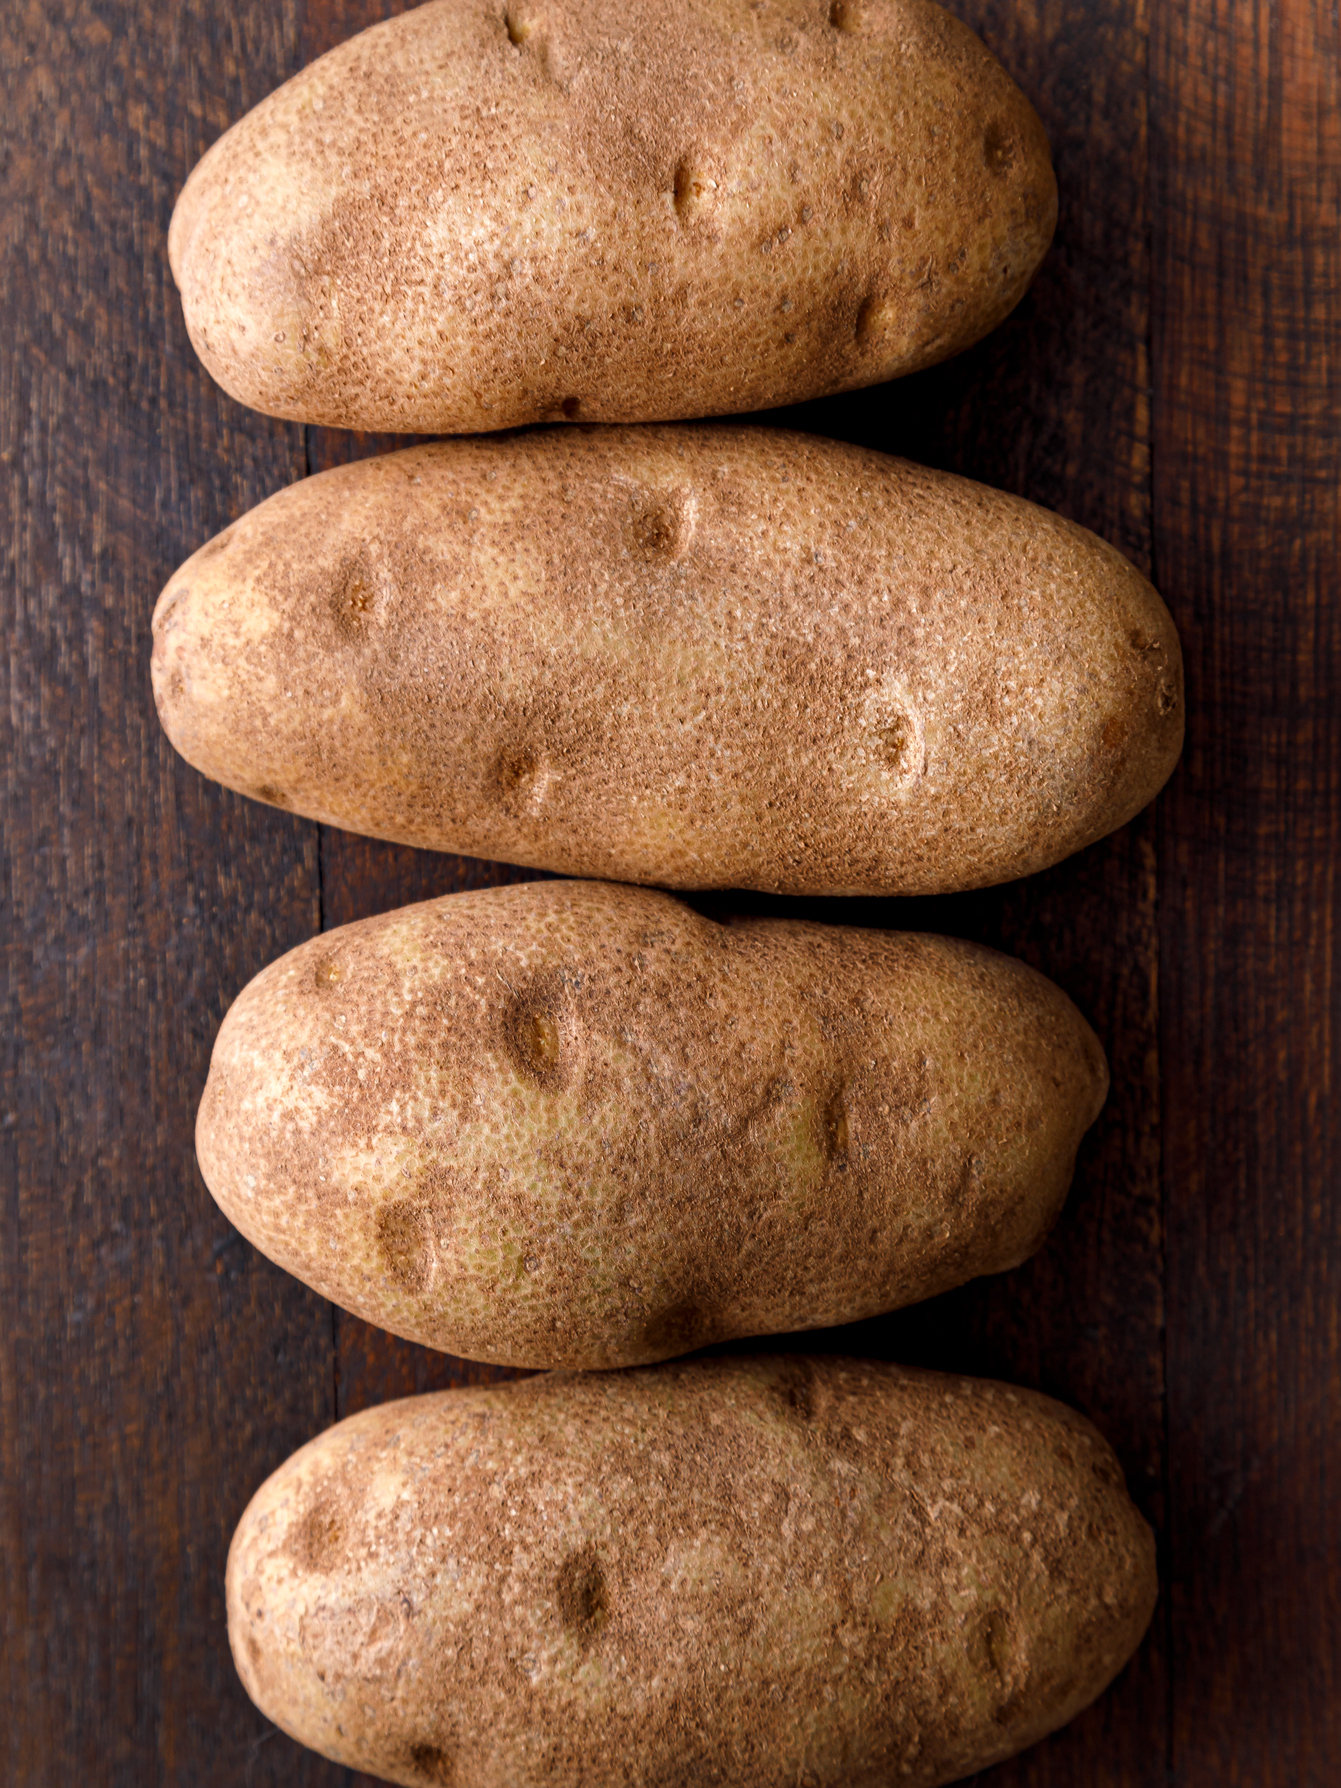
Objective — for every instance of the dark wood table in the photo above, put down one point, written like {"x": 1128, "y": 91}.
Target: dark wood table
{"x": 1173, "y": 381}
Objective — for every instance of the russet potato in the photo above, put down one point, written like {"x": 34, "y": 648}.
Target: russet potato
{"x": 699, "y": 657}
{"x": 752, "y": 1572}
{"x": 477, "y": 215}
{"x": 569, "y": 1123}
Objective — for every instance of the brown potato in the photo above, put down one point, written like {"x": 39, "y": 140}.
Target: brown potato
{"x": 574, "y": 1124}
{"x": 478, "y": 215}
{"x": 755, "y": 1573}
{"x": 696, "y": 656}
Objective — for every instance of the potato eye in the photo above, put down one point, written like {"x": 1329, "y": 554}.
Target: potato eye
{"x": 536, "y": 1028}
{"x": 837, "y": 1139}
{"x": 583, "y": 1594}
{"x": 540, "y": 1035}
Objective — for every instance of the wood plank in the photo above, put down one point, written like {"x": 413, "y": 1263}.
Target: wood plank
{"x": 152, "y": 1369}
{"x": 1247, "y": 396}
{"x": 149, "y": 916}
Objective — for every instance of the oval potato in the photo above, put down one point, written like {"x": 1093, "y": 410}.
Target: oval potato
{"x": 573, "y": 1124}
{"x": 751, "y": 1572}
{"x": 478, "y": 215}
{"x": 697, "y": 657}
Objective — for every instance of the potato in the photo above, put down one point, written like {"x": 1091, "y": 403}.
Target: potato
{"x": 750, "y": 1572}
{"x": 478, "y": 215}
{"x": 699, "y": 657}
{"x": 573, "y": 1124}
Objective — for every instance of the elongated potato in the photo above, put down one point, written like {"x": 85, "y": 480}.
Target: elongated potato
{"x": 754, "y": 1573}
{"x": 700, "y": 657}
{"x": 478, "y": 215}
{"x": 573, "y": 1124}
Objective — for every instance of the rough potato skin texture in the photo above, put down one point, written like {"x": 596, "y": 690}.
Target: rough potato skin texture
{"x": 747, "y": 1572}
{"x": 698, "y": 657}
{"x": 472, "y": 216}
{"x": 572, "y": 1124}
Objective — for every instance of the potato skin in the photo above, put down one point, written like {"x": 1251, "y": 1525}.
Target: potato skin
{"x": 700, "y": 657}
{"x": 752, "y": 1572}
{"x": 472, "y": 217}
{"x": 566, "y": 1123}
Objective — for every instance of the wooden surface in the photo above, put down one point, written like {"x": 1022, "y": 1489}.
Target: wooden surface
{"x": 1174, "y": 381}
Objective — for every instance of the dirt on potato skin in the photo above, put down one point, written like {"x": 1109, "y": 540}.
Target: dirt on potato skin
{"x": 751, "y": 1572}
{"x": 571, "y": 1123}
{"x": 475, "y": 216}
{"x": 695, "y": 657}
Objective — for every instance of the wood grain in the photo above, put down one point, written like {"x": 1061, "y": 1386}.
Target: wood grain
{"x": 153, "y": 1368}
{"x": 1248, "y": 394}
